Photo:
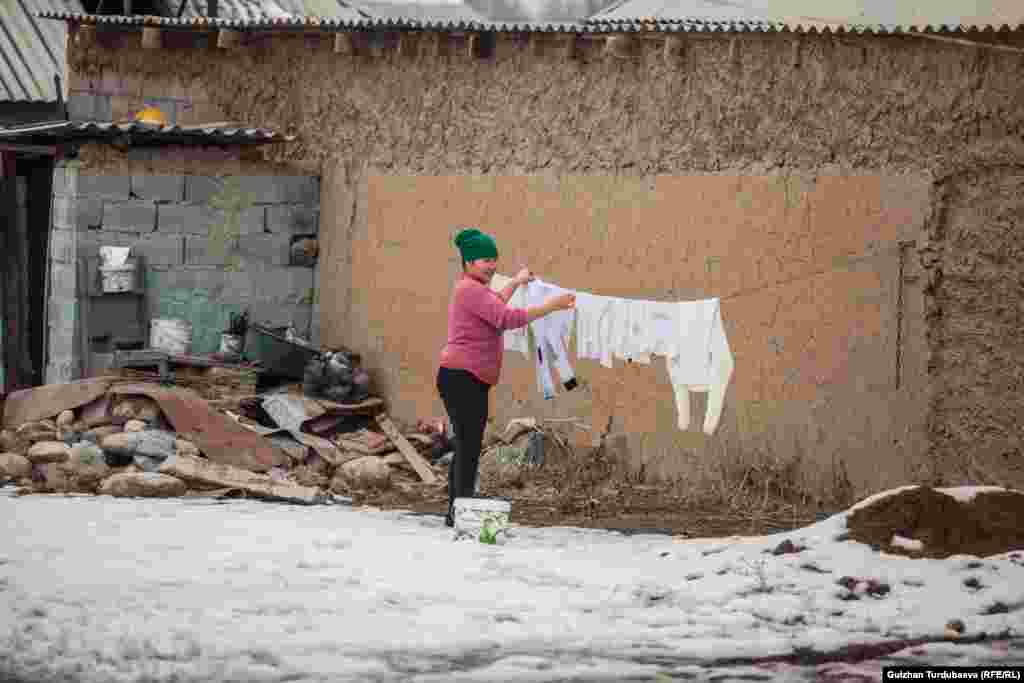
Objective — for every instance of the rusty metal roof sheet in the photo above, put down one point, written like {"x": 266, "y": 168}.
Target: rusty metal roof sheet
{"x": 594, "y": 25}
{"x": 138, "y": 133}
{"x": 32, "y": 51}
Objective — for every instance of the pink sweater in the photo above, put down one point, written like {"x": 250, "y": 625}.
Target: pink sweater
{"x": 477, "y": 317}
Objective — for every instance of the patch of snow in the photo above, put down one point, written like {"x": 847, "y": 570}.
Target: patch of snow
{"x": 911, "y": 544}
{"x": 107, "y": 589}
{"x": 965, "y": 494}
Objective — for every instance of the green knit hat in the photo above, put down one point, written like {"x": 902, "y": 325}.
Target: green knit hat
{"x": 474, "y": 244}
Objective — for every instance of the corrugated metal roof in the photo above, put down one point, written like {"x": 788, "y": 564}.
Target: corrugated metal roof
{"x": 138, "y": 133}
{"x": 257, "y": 10}
{"x": 682, "y": 11}
{"x": 591, "y": 26}
{"x": 422, "y": 11}
{"x": 892, "y": 15}
{"x": 32, "y": 51}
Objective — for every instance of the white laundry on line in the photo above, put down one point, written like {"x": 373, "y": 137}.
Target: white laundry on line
{"x": 688, "y": 334}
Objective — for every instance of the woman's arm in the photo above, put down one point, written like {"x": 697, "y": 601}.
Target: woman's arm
{"x": 524, "y": 276}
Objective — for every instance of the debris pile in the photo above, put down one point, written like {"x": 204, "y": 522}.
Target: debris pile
{"x": 122, "y": 437}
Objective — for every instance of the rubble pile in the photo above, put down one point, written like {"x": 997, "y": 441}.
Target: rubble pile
{"x": 125, "y": 438}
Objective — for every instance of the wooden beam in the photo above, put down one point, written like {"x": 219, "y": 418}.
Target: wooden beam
{"x": 408, "y": 44}
{"x": 622, "y": 46}
{"x": 86, "y": 34}
{"x": 228, "y": 38}
{"x": 673, "y": 48}
{"x": 405, "y": 448}
{"x": 343, "y": 44}
{"x": 152, "y": 37}
{"x": 795, "y": 54}
{"x": 571, "y": 48}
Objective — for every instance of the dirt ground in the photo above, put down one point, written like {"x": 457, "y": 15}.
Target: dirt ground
{"x": 547, "y": 498}
{"x": 990, "y": 523}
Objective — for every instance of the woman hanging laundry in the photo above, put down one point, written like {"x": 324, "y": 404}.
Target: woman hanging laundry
{"x": 470, "y": 361}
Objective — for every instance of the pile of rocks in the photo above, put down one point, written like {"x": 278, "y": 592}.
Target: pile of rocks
{"x": 124, "y": 445}
{"x": 83, "y": 452}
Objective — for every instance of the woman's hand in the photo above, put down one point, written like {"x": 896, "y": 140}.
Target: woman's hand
{"x": 562, "y": 302}
{"x": 525, "y": 275}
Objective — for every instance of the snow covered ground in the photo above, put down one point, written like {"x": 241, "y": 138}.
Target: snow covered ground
{"x": 104, "y": 589}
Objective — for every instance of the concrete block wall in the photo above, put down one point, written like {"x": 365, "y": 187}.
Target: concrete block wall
{"x": 64, "y": 339}
{"x": 211, "y": 245}
{"x": 112, "y": 96}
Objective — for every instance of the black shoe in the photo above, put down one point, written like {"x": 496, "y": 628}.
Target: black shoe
{"x": 449, "y": 520}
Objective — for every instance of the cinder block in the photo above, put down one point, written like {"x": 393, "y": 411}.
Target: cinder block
{"x": 192, "y": 219}
{"x": 59, "y": 180}
{"x": 71, "y": 175}
{"x": 89, "y": 107}
{"x": 274, "y": 250}
{"x": 61, "y": 369}
{"x": 63, "y": 246}
{"x": 89, "y": 215}
{"x": 200, "y": 188}
{"x": 161, "y": 249}
{"x": 130, "y": 216}
{"x": 105, "y": 186}
{"x": 273, "y": 284}
{"x": 161, "y": 188}
{"x": 293, "y": 220}
{"x": 63, "y": 282}
{"x": 64, "y": 209}
{"x": 281, "y": 189}
{"x": 200, "y": 252}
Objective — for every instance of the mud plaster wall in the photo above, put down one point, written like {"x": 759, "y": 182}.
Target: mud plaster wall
{"x": 809, "y": 106}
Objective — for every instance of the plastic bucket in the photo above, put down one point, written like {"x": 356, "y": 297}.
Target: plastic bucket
{"x": 171, "y": 335}
{"x": 485, "y": 519}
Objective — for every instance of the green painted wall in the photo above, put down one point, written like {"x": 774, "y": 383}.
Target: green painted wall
{"x": 208, "y": 318}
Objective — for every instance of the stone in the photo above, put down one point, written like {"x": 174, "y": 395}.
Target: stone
{"x": 45, "y": 452}
{"x": 53, "y": 477}
{"x": 10, "y": 442}
{"x": 137, "y": 408}
{"x": 121, "y": 443}
{"x": 135, "y": 426}
{"x": 14, "y": 467}
{"x": 97, "y": 434}
{"x": 142, "y": 485}
{"x": 147, "y": 449}
{"x": 85, "y": 453}
{"x": 185, "y": 447}
{"x": 85, "y": 469}
{"x": 367, "y": 472}
{"x": 65, "y": 419}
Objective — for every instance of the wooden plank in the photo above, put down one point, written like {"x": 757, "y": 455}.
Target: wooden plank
{"x": 191, "y": 468}
{"x": 411, "y": 454}
{"x": 39, "y": 403}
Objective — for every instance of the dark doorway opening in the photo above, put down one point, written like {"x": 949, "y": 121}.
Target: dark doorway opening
{"x": 26, "y": 197}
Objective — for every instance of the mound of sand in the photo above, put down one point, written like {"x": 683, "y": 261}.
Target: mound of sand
{"x": 989, "y": 524}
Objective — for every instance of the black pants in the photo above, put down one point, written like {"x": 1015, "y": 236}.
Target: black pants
{"x": 465, "y": 400}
